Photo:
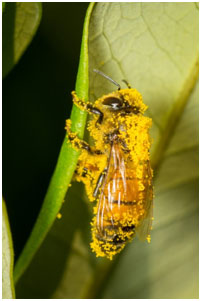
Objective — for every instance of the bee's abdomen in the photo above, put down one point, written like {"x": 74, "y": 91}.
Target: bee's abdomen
{"x": 110, "y": 244}
{"x": 123, "y": 205}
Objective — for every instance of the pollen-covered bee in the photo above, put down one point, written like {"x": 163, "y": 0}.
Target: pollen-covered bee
{"x": 116, "y": 170}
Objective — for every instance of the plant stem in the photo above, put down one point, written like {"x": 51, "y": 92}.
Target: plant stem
{"x": 65, "y": 166}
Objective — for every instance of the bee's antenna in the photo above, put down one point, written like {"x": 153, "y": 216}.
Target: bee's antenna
{"x": 127, "y": 84}
{"x": 107, "y": 77}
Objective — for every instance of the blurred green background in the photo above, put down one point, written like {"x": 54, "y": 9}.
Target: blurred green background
{"x": 36, "y": 102}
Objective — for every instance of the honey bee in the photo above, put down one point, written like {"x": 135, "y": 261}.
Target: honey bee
{"x": 116, "y": 170}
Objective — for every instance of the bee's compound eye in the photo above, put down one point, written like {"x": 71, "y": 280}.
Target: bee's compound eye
{"x": 114, "y": 103}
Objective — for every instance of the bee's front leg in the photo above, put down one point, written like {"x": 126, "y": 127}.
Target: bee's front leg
{"x": 87, "y": 106}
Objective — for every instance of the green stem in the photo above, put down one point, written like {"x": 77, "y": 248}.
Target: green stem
{"x": 65, "y": 167}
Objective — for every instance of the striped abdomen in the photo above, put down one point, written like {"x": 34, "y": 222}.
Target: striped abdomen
{"x": 123, "y": 201}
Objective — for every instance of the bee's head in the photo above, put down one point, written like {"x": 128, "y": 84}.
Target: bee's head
{"x": 119, "y": 104}
{"x": 113, "y": 103}
{"x": 118, "y": 101}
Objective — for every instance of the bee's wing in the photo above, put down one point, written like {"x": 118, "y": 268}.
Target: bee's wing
{"x": 110, "y": 194}
{"x": 143, "y": 230}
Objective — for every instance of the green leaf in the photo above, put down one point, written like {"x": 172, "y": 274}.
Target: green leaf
{"x": 7, "y": 257}
{"x": 65, "y": 167}
{"x": 3, "y": 6}
{"x": 20, "y": 22}
{"x": 155, "y": 47}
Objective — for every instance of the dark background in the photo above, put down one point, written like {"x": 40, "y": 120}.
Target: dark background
{"x": 36, "y": 102}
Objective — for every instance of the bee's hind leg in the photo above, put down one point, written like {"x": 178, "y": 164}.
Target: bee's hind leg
{"x": 99, "y": 182}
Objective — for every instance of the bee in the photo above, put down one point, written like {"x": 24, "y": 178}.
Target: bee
{"x": 116, "y": 170}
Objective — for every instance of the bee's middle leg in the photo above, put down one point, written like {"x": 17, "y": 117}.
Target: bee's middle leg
{"x": 77, "y": 142}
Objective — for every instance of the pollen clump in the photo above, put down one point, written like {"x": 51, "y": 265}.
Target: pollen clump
{"x": 59, "y": 215}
